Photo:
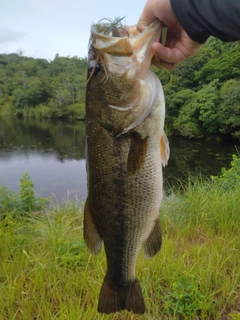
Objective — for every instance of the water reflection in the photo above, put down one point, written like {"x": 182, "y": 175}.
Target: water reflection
{"x": 52, "y": 152}
{"x": 66, "y": 140}
{"x": 197, "y": 156}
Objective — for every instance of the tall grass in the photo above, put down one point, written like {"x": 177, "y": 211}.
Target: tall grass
{"x": 46, "y": 271}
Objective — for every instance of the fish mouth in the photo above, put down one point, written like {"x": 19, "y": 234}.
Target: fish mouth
{"x": 126, "y": 41}
{"x": 142, "y": 42}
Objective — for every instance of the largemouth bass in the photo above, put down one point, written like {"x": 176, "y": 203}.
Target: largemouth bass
{"x": 126, "y": 149}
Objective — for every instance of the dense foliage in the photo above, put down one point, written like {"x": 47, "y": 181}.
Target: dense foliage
{"x": 202, "y": 94}
{"x": 40, "y": 88}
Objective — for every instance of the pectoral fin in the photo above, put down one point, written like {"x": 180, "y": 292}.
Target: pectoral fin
{"x": 154, "y": 241}
{"x": 91, "y": 235}
{"x": 137, "y": 153}
{"x": 164, "y": 149}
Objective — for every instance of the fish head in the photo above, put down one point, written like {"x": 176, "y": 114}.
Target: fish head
{"x": 120, "y": 88}
{"x": 121, "y": 51}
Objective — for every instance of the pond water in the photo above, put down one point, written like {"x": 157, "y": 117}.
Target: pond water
{"x": 52, "y": 152}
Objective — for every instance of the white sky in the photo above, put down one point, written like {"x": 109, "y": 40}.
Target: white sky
{"x": 42, "y": 28}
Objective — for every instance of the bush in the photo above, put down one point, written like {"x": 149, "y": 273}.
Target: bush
{"x": 22, "y": 204}
{"x": 9, "y": 201}
{"x": 229, "y": 178}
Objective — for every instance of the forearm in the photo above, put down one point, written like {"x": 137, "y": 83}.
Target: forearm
{"x": 203, "y": 18}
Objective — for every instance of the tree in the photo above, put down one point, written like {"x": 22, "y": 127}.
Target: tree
{"x": 201, "y": 94}
{"x": 224, "y": 67}
{"x": 229, "y": 109}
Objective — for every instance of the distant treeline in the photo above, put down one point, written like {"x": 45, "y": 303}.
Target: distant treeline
{"x": 41, "y": 88}
{"x": 202, "y": 94}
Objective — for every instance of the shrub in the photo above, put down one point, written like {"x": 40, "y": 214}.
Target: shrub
{"x": 229, "y": 178}
{"x": 20, "y": 205}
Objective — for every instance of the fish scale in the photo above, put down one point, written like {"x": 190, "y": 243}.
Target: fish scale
{"x": 126, "y": 148}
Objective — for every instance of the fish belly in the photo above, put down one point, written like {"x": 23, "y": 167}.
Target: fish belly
{"x": 124, "y": 196}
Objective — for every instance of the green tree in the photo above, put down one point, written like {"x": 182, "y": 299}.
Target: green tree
{"x": 208, "y": 100}
{"x": 229, "y": 109}
{"x": 224, "y": 67}
{"x": 201, "y": 94}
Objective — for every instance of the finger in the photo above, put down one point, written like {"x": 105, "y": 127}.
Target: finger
{"x": 169, "y": 66}
{"x": 160, "y": 64}
{"x": 146, "y": 18}
{"x": 169, "y": 55}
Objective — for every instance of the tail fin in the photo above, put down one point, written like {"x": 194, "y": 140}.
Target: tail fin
{"x": 114, "y": 298}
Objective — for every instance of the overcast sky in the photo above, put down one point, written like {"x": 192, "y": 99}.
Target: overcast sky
{"x": 42, "y": 28}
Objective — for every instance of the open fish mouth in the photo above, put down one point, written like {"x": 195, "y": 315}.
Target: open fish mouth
{"x": 111, "y": 37}
{"x": 115, "y": 39}
{"x": 118, "y": 48}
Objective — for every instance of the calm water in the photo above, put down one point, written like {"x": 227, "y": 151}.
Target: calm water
{"x": 52, "y": 152}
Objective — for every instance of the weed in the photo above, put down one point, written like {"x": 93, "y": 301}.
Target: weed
{"x": 185, "y": 298}
{"x": 71, "y": 254}
{"x": 20, "y": 205}
{"x": 229, "y": 178}
{"x": 8, "y": 201}
{"x": 235, "y": 316}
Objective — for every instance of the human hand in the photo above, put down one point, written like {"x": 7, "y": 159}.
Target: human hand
{"x": 179, "y": 46}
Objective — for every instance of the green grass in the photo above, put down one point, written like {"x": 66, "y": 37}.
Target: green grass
{"x": 46, "y": 271}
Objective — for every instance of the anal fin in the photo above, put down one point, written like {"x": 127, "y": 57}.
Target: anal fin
{"x": 115, "y": 298}
{"x": 137, "y": 153}
{"x": 90, "y": 233}
{"x": 154, "y": 241}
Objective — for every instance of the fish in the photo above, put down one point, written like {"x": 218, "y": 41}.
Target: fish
{"x": 126, "y": 148}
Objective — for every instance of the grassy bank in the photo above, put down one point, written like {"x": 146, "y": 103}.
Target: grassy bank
{"x": 46, "y": 271}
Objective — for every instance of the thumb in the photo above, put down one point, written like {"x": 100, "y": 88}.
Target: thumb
{"x": 142, "y": 24}
{"x": 146, "y": 18}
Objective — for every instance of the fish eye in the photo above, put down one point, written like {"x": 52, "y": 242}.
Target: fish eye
{"x": 95, "y": 67}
